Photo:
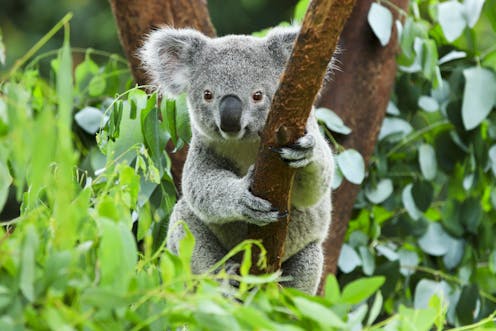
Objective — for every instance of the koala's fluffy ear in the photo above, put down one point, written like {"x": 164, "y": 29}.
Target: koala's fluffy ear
{"x": 280, "y": 42}
{"x": 168, "y": 55}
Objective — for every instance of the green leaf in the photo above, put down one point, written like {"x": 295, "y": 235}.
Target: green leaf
{"x": 300, "y": 10}
{"x": 453, "y": 55}
{"x": 352, "y": 166}
{"x": 359, "y": 290}
{"x": 186, "y": 246}
{"x": 318, "y": 313}
{"x": 117, "y": 254}
{"x": 409, "y": 203}
{"x": 467, "y": 305}
{"x": 381, "y": 21}
{"x": 471, "y": 214}
{"x": 375, "y": 310}
{"x": 348, "y": 259}
{"x": 422, "y": 193}
{"x": 452, "y": 19}
{"x": 416, "y": 319}
{"x": 429, "y": 104}
{"x": 455, "y": 253}
{"x": 97, "y": 86}
{"x": 429, "y": 59}
{"x": 436, "y": 241}
{"x": 90, "y": 119}
{"x": 368, "y": 260}
{"x": 397, "y": 126}
{"x": 2, "y": 49}
{"x": 492, "y": 158}
{"x": 183, "y": 126}
{"x": 332, "y": 292}
{"x": 479, "y": 96}
{"x": 426, "y": 288}
{"x": 427, "y": 161}
{"x": 380, "y": 192}
{"x": 409, "y": 260}
{"x": 5, "y": 181}
{"x": 472, "y": 11}
{"x": 28, "y": 262}
{"x": 331, "y": 120}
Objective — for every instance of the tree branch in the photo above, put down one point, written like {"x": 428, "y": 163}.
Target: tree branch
{"x": 289, "y": 112}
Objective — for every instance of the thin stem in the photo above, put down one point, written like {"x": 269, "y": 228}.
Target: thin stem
{"x": 444, "y": 124}
{"x": 19, "y": 63}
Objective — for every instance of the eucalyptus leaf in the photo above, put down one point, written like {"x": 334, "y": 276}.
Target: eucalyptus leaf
{"x": 348, "y": 259}
{"x": 427, "y": 161}
{"x": 381, "y": 21}
{"x": 436, "y": 241}
{"x": 455, "y": 253}
{"x": 318, "y": 313}
{"x": 409, "y": 260}
{"x": 392, "y": 126}
{"x": 332, "y": 120}
{"x": 451, "y": 56}
{"x": 409, "y": 203}
{"x": 473, "y": 10}
{"x": 5, "y": 181}
{"x": 429, "y": 104}
{"x": 452, "y": 19}
{"x": 380, "y": 192}
{"x": 479, "y": 96}
{"x": 90, "y": 119}
{"x": 492, "y": 158}
{"x": 352, "y": 166}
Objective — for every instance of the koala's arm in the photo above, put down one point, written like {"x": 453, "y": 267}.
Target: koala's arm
{"x": 313, "y": 181}
{"x": 217, "y": 195}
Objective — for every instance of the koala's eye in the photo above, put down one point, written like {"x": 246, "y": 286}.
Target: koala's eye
{"x": 207, "y": 95}
{"x": 257, "y": 96}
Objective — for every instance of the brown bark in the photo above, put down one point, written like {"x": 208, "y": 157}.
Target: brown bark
{"x": 136, "y": 18}
{"x": 359, "y": 94}
{"x": 289, "y": 112}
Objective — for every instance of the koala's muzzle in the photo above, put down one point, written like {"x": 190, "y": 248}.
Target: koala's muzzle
{"x": 230, "y": 113}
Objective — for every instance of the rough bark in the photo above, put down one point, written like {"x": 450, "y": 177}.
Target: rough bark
{"x": 136, "y": 18}
{"x": 289, "y": 112}
{"x": 359, "y": 94}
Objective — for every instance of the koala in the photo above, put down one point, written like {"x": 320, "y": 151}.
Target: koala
{"x": 229, "y": 83}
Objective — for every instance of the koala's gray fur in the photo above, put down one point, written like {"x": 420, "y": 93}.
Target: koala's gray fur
{"x": 217, "y": 204}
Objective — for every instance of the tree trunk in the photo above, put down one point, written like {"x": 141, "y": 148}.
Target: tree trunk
{"x": 359, "y": 94}
{"x": 136, "y": 18}
{"x": 291, "y": 106}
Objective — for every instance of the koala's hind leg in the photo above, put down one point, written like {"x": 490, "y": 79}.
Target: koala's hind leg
{"x": 305, "y": 268}
{"x": 207, "y": 250}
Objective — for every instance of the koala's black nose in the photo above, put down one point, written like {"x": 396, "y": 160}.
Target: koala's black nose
{"x": 230, "y": 113}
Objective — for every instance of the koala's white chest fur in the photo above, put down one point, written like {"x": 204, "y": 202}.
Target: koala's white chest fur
{"x": 241, "y": 153}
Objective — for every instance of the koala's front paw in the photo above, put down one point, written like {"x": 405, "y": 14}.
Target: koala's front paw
{"x": 299, "y": 154}
{"x": 258, "y": 211}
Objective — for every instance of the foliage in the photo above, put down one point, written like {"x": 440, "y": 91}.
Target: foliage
{"x": 426, "y": 215}
{"x": 85, "y": 159}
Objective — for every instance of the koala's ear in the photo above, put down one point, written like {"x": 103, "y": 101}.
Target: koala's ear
{"x": 168, "y": 56}
{"x": 280, "y": 42}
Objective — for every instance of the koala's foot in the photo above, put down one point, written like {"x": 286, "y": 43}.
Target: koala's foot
{"x": 256, "y": 210}
{"x": 299, "y": 154}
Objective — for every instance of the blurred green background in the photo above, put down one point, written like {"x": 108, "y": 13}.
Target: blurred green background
{"x": 23, "y": 22}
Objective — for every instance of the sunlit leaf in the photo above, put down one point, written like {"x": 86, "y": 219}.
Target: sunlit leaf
{"x": 381, "y": 21}
{"x": 479, "y": 96}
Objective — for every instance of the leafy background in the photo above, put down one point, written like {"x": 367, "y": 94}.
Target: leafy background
{"x": 80, "y": 150}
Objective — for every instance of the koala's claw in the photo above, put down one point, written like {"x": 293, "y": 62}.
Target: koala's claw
{"x": 258, "y": 211}
{"x": 299, "y": 154}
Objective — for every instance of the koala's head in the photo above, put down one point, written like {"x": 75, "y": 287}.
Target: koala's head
{"x": 229, "y": 81}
